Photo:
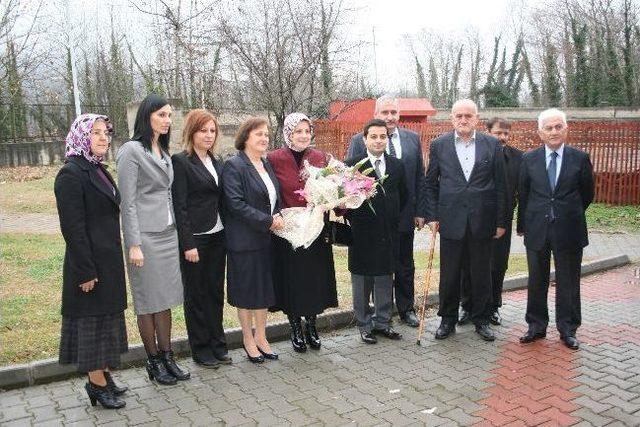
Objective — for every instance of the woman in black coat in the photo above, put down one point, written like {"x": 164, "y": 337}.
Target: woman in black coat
{"x": 197, "y": 197}
{"x": 251, "y": 212}
{"x": 93, "y": 294}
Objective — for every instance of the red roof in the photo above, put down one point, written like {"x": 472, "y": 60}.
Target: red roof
{"x": 362, "y": 109}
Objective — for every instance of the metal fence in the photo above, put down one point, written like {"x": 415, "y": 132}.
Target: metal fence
{"x": 614, "y": 147}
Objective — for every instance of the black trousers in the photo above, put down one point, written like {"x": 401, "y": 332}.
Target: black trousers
{"x": 567, "y": 264}
{"x": 204, "y": 297}
{"x": 500, "y": 250}
{"x": 474, "y": 255}
{"x": 404, "y": 277}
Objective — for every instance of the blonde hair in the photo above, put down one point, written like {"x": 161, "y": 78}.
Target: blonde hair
{"x": 193, "y": 122}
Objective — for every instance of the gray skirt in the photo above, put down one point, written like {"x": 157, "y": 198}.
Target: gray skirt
{"x": 157, "y": 285}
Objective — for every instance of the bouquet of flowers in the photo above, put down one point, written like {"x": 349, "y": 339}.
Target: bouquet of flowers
{"x": 335, "y": 185}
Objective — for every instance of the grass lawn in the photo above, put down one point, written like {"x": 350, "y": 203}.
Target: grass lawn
{"x": 30, "y": 283}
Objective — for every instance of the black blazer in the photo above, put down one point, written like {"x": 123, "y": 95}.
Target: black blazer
{"x": 447, "y": 197}
{"x": 512, "y": 161}
{"x": 90, "y": 222}
{"x": 246, "y": 203}
{"x": 374, "y": 234}
{"x": 197, "y": 198}
{"x": 573, "y": 194}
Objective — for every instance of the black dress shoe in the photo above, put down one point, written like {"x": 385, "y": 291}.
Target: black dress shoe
{"x": 531, "y": 336}
{"x": 368, "y": 337}
{"x": 388, "y": 332}
{"x": 269, "y": 356}
{"x": 253, "y": 359}
{"x": 224, "y": 359}
{"x": 211, "y": 363}
{"x": 172, "y": 366}
{"x": 104, "y": 395}
{"x": 410, "y": 319}
{"x": 445, "y": 330}
{"x": 116, "y": 390}
{"x": 495, "y": 318}
{"x": 158, "y": 371}
{"x": 570, "y": 341}
{"x": 485, "y": 332}
{"x": 464, "y": 317}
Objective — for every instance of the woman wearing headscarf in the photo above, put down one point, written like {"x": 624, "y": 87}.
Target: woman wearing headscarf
{"x": 197, "y": 199}
{"x": 93, "y": 294}
{"x": 252, "y": 207}
{"x": 145, "y": 174}
{"x": 304, "y": 279}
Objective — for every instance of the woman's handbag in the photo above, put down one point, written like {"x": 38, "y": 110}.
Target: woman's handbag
{"x": 339, "y": 233}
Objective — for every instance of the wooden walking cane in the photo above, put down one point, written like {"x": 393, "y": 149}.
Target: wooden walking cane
{"x": 427, "y": 283}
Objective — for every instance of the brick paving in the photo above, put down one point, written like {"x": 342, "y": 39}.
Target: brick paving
{"x": 458, "y": 381}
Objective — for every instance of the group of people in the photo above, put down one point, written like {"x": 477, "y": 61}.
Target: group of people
{"x": 189, "y": 218}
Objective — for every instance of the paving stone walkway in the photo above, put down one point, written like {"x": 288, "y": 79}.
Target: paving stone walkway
{"x": 459, "y": 381}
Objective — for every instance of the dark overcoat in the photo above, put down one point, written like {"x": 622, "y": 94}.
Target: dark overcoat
{"x": 90, "y": 223}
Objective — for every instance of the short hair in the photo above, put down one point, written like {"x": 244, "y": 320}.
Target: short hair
{"x": 193, "y": 122}
{"x": 551, "y": 112}
{"x": 142, "y": 130}
{"x": 245, "y": 129}
{"x": 384, "y": 99}
{"x": 373, "y": 123}
{"x": 464, "y": 101}
{"x": 503, "y": 123}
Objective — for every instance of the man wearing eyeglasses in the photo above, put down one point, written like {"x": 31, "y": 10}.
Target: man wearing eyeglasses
{"x": 555, "y": 189}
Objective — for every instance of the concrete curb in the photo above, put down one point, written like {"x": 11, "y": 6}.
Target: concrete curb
{"x": 48, "y": 370}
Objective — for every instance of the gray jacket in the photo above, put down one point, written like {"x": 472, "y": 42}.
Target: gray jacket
{"x": 145, "y": 187}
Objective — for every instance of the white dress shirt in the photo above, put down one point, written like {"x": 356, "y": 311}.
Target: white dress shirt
{"x": 394, "y": 139}
{"x": 273, "y": 197}
{"x": 218, "y": 227}
{"x": 547, "y": 156}
{"x": 466, "y": 151}
{"x": 382, "y": 167}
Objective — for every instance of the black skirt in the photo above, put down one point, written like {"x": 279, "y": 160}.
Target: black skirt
{"x": 304, "y": 280}
{"x": 93, "y": 342}
{"x": 249, "y": 282}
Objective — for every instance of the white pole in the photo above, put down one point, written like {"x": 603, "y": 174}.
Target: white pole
{"x": 72, "y": 54}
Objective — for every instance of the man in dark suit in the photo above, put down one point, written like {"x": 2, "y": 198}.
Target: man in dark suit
{"x": 464, "y": 195}
{"x": 500, "y": 128}
{"x": 556, "y": 187}
{"x": 405, "y": 146}
{"x": 374, "y": 226}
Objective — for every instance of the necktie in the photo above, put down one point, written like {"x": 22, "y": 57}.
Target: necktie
{"x": 376, "y": 168}
{"x": 551, "y": 170}
{"x": 392, "y": 148}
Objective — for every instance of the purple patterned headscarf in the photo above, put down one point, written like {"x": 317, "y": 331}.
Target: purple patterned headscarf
{"x": 78, "y": 140}
{"x": 290, "y": 123}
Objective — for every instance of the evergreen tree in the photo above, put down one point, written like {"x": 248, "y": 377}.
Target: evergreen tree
{"x": 598, "y": 76}
{"x": 551, "y": 89}
{"x": 17, "y": 109}
{"x": 434, "y": 88}
{"x": 615, "y": 84}
{"x": 630, "y": 79}
{"x": 534, "y": 90}
{"x": 580, "y": 84}
{"x": 453, "y": 90}
{"x": 421, "y": 83}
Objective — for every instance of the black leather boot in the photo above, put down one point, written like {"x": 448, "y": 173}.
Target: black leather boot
{"x": 117, "y": 391}
{"x": 172, "y": 366}
{"x": 297, "y": 339}
{"x": 312, "y": 333}
{"x": 104, "y": 395}
{"x": 157, "y": 371}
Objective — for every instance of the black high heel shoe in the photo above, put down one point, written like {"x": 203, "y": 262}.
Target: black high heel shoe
{"x": 253, "y": 359}
{"x": 104, "y": 395}
{"x": 270, "y": 356}
{"x": 312, "y": 333}
{"x": 157, "y": 371}
{"x": 172, "y": 366}
{"x": 117, "y": 391}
